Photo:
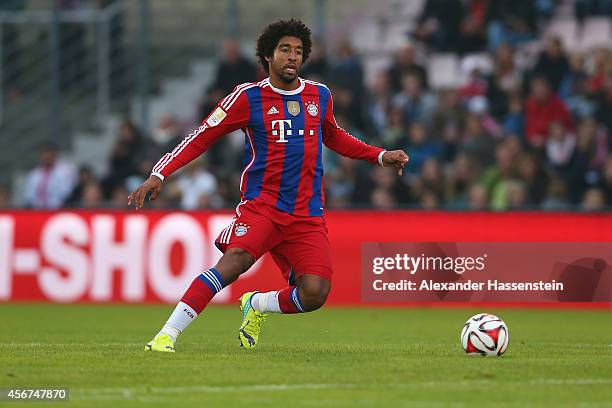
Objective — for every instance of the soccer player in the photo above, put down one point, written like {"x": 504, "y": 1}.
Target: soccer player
{"x": 286, "y": 121}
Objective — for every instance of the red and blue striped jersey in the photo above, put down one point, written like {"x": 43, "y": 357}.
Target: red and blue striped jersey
{"x": 284, "y": 136}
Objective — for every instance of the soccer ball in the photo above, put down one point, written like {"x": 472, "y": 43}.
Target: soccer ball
{"x": 484, "y": 334}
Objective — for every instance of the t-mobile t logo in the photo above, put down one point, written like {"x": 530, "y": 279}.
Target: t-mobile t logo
{"x": 282, "y": 128}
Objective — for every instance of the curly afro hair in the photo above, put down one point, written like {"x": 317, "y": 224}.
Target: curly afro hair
{"x": 271, "y": 35}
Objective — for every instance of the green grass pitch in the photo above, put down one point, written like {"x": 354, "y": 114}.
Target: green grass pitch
{"x": 335, "y": 357}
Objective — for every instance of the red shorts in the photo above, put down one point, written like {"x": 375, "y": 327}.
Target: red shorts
{"x": 298, "y": 244}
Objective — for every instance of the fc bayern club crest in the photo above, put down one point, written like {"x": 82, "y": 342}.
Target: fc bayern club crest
{"x": 241, "y": 229}
{"x": 312, "y": 108}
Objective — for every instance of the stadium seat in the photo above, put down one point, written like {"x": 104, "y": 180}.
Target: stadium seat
{"x": 596, "y": 32}
{"x": 444, "y": 71}
{"x": 482, "y": 61}
{"x": 566, "y": 29}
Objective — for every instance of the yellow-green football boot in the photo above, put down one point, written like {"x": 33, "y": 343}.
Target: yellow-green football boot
{"x": 251, "y": 322}
{"x": 162, "y": 342}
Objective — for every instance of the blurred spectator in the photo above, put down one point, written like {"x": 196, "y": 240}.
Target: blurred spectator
{"x": 429, "y": 200}
{"x": 516, "y": 195}
{"x": 233, "y": 68}
{"x": 511, "y": 21}
{"x": 347, "y": 107}
{"x": 560, "y": 145}
{"x": 439, "y": 24}
{"x": 593, "y": 200}
{"x": 460, "y": 177}
{"x": 504, "y": 81}
{"x": 196, "y": 187}
{"x": 404, "y": 62}
{"x": 604, "y": 104}
{"x": 476, "y": 85}
{"x": 382, "y": 199}
{"x": 573, "y": 87}
{"x": 606, "y": 180}
{"x": 127, "y": 153}
{"x": 49, "y": 184}
{"x": 92, "y": 196}
{"x": 395, "y": 130}
{"x": 86, "y": 176}
{"x": 589, "y": 155}
{"x": 431, "y": 180}
{"x": 602, "y": 67}
{"x": 165, "y": 136}
{"x": 541, "y": 108}
{"x": 514, "y": 121}
{"x": 379, "y": 103}
{"x": 144, "y": 170}
{"x": 209, "y": 102}
{"x": 341, "y": 183}
{"x": 529, "y": 170}
{"x": 416, "y": 104}
{"x": 119, "y": 197}
{"x": 347, "y": 79}
{"x": 497, "y": 177}
{"x": 505, "y": 69}
{"x": 347, "y": 69}
{"x": 479, "y": 106}
{"x": 450, "y": 111}
{"x": 317, "y": 67}
{"x": 474, "y": 26}
{"x": 385, "y": 187}
{"x": 5, "y": 197}
{"x": 556, "y": 198}
{"x": 552, "y": 63}
{"x": 478, "y": 198}
{"x": 420, "y": 147}
{"x": 476, "y": 143}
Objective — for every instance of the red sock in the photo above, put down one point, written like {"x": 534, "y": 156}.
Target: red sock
{"x": 202, "y": 289}
{"x": 289, "y": 300}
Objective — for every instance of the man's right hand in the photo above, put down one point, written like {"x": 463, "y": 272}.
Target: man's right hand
{"x": 153, "y": 184}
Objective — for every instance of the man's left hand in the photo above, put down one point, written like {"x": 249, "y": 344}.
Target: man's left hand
{"x": 397, "y": 159}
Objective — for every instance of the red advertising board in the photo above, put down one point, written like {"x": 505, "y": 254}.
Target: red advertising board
{"x": 152, "y": 256}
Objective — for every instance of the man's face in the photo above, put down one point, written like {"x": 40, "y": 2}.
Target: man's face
{"x": 48, "y": 157}
{"x": 540, "y": 90}
{"x": 287, "y": 59}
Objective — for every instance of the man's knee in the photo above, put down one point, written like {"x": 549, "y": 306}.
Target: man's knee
{"x": 313, "y": 291}
{"x": 234, "y": 262}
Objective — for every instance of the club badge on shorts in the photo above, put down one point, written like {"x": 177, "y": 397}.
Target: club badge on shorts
{"x": 293, "y": 107}
{"x": 241, "y": 229}
{"x": 312, "y": 108}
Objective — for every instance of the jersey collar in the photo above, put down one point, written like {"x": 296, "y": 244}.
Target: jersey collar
{"x": 283, "y": 92}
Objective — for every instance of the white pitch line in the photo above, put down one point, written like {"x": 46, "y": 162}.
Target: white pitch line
{"x": 121, "y": 393}
{"x": 573, "y": 381}
{"x": 139, "y": 392}
{"x": 26, "y": 345}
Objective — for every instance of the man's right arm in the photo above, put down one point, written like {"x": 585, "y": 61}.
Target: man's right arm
{"x": 231, "y": 114}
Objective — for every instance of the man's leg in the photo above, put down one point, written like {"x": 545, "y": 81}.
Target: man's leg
{"x": 304, "y": 258}
{"x": 203, "y": 288}
{"x": 241, "y": 249}
{"x": 309, "y": 294}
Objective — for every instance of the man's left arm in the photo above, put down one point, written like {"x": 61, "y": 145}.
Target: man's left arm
{"x": 343, "y": 143}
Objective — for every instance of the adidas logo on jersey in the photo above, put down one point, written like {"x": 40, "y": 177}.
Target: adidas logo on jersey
{"x": 272, "y": 110}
